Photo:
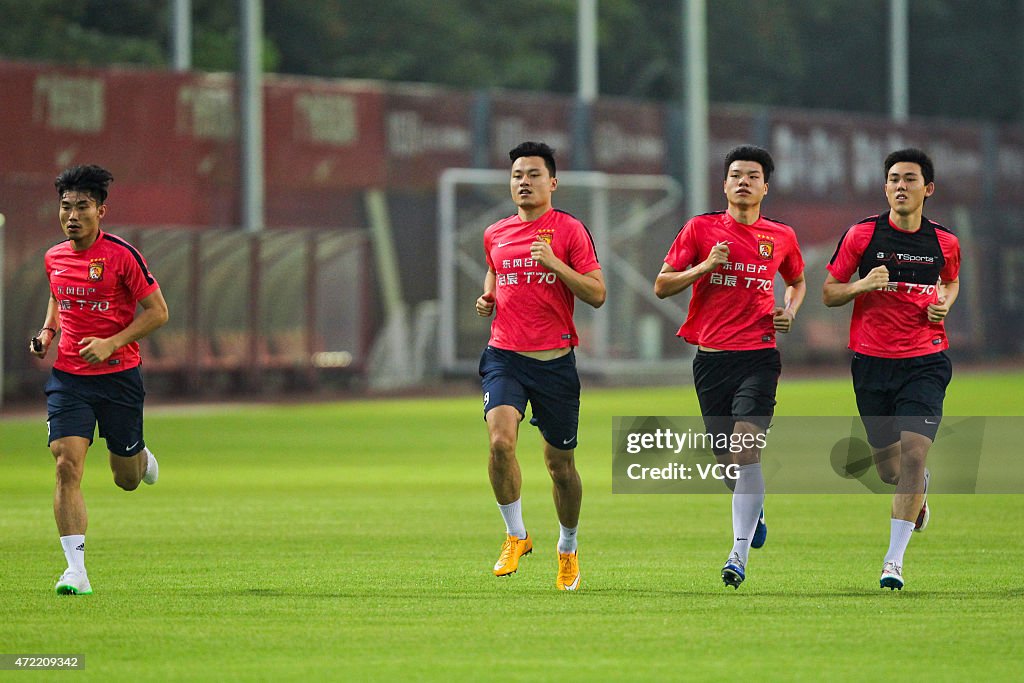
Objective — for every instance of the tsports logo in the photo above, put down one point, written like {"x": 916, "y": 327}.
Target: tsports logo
{"x": 904, "y": 258}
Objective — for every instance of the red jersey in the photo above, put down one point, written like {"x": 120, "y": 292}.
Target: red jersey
{"x": 97, "y": 291}
{"x": 893, "y": 322}
{"x": 533, "y": 308}
{"x": 731, "y": 307}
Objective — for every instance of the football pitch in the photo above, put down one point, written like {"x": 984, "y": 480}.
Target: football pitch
{"x": 354, "y": 541}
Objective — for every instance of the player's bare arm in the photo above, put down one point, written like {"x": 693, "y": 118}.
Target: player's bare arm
{"x": 40, "y": 344}
{"x": 154, "y": 314}
{"x": 836, "y": 293}
{"x": 671, "y": 281}
{"x": 587, "y": 287}
{"x": 485, "y": 302}
{"x": 783, "y": 316}
{"x": 948, "y": 292}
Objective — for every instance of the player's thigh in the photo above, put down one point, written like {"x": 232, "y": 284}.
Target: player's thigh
{"x": 128, "y": 468}
{"x": 500, "y": 381}
{"x": 503, "y": 429}
{"x": 875, "y": 382}
{"x": 887, "y": 462}
{"x": 553, "y": 387}
{"x": 918, "y": 403}
{"x": 69, "y": 454}
{"x": 715, "y": 385}
{"x": 69, "y": 412}
{"x": 560, "y": 463}
{"x": 753, "y": 402}
{"x": 745, "y": 441}
{"x": 119, "y": 413}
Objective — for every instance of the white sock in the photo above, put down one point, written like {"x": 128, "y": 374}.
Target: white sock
{"x": 747, "y": 501}
{"x": 566, "y": 539}
{"x": 513, "y": 516}
{"x": 74, "y": 551}
{"x": 899, "y": 536}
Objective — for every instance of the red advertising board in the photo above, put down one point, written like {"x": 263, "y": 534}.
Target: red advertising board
{"x": 427, "y": 129}
{"x": 829, "y": 157}
{"x": 628, "y": 137}
{"x": 324, "y": 134}
{"x": 171, "y": 141}
{"x": 516, "y": 117}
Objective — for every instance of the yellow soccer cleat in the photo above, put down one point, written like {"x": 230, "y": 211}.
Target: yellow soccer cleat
{"x": 568, "y": 571}
{"x": 511, "y": 550}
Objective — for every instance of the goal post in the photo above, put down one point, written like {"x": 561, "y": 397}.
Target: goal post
{"x": 632, "y": 218}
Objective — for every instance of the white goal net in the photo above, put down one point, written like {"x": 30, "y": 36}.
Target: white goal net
{"x": 633, "y": 219}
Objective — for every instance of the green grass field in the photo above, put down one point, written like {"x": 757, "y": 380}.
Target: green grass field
{"x": 353, "y": 541}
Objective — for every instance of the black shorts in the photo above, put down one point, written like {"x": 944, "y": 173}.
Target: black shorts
{"x": 551, "y": 386}
{"x": 735, "y": 386}
{"x": 900, "y": 395}
{"x": 76, "y": 403}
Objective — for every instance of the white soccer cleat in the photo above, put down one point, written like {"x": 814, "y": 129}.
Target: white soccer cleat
{"x": 73, "y": 582}
{"x": 152, "y": 469}
{"x": 923, "y": 517}
{"x": 892, "y": 576}
{"x": 734, "y": 572}
{"x": 925, "y": 514}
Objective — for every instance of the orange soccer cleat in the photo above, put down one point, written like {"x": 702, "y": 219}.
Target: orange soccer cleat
{"x": 511, "y": 550}
{"x": 568, "y": 571}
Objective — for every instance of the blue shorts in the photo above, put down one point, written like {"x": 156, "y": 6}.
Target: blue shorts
{"x": 76, "y": 403}
{"x": 900, "y": 395}
{"x": 552, "y": 388}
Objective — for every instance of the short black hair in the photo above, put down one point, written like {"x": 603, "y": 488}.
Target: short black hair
{"x": 535, "y": 149}
{"x": 914, "y": 156}
{"x": 751, "y": 153}
{"x": 90, "y": 179}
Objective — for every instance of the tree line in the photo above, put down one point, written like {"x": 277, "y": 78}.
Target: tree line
{"x": 966, "y": 58}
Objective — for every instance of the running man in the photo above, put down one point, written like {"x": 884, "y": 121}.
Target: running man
{"x": 539, "y": 260}
{"x": 730, "y": 258}
{"x": 96, "y": 282}
{"x": 908, "y": 269}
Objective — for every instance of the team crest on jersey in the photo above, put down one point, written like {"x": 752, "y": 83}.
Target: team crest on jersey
{"x": 546, "y": 234}
{"x": 765, "y": 247}
{"x": 96, "y": 270}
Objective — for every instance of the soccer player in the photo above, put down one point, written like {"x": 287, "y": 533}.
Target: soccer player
{"x": 730, "y": 258}
{"x": 96, "y": 282}
{"x": 539, "y": 260}
{"x": 908, "y": 269}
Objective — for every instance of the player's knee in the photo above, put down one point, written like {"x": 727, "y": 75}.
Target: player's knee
{"x": 747, "y": 456}
{"x": 914, "y": 456}
{"x": 912, "y": 460}
{"x": 503, "y": 446}
{"x": 68, "y": 471}
{"x": 561, "y": 470}
{"x": 912, "y": 467}
{"x": 889, "y": 476}
{"x": 126, "y": 482}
